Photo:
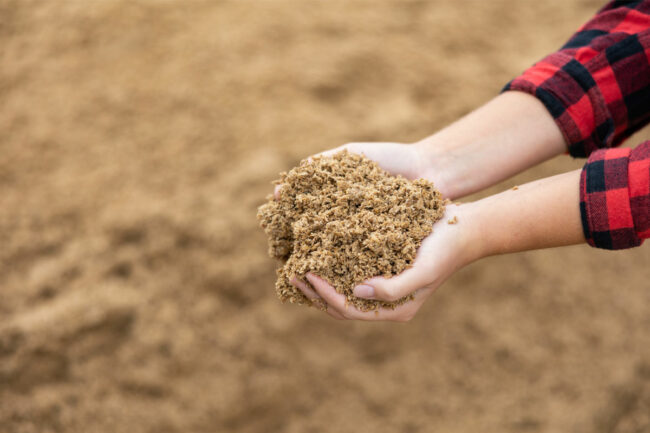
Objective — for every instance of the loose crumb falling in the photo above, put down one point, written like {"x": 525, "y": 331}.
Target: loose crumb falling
{"x": 515, "y": 188}
{"x": 347, "y": 220}
{"x": 453, "y": 220}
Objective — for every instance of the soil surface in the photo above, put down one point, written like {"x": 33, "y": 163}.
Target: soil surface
{"x": 138, "y": 140}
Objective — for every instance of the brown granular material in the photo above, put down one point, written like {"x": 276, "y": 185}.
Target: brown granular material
{"x": 346, "y": 220}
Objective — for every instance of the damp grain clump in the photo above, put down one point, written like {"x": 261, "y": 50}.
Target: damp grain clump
{"x": 346, "y": 220}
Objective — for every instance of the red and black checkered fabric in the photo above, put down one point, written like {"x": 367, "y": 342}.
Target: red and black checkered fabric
{"x": 615, "y": 197}
{"x": 597, "y": 88}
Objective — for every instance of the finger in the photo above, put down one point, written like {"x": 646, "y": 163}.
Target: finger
{"x": 316, "y": 300}
{"x": 334, "y": 314}
{"x": 337, "y": 302}
{"x": 276, "y": 191}
{"x": 304, "y": 288}
{"x": 401, "y": 313}
{"x": 334, "y": 299}
{"x": 394, "y": 288}
{"x": 323, "y": 306}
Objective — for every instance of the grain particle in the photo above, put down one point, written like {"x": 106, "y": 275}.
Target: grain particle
{"x": 347, "y": 220}
{"x": 453, "y": 220}
{"x": 515, "y": 188}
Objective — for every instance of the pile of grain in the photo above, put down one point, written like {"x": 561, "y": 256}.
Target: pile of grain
{"x": 345, "y": 219}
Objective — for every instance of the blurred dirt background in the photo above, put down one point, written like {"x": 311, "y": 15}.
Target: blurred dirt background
{"x": 137, "y": 140}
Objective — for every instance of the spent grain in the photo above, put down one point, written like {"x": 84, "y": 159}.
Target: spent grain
{"x": 346, "y": 219}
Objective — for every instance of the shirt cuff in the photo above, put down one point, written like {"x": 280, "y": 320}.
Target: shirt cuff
{"x": 573, "y": 98}
{"x": 608, "y": 220}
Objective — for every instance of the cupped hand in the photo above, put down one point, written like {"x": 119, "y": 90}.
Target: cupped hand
{"x": 448, "y": 248}
{"x": 441, "y": 253}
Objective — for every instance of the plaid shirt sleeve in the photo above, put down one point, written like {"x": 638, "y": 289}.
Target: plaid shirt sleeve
{"x": 615, "y": 197}
{"x": 597, "y": 88}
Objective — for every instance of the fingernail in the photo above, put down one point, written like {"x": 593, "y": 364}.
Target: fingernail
{"x": 364, "y": 291}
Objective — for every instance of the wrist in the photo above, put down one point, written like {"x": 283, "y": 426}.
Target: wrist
{"x": 439, "y": 165}
{"x": 507, "y": 135}
{"x": 490, "y": 230}
{"x": 470, "y": 240}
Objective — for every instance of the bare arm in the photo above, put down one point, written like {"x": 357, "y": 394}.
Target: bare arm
{"x": 506, "y": 136}
{"x": 541, "y": 214}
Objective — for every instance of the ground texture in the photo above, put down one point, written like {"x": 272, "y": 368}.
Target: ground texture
{"x": 138, "y": 139}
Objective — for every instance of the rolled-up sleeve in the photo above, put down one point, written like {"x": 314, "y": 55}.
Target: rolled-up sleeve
{"x": 615, "y": 197}
{"x": 597, "y": 86}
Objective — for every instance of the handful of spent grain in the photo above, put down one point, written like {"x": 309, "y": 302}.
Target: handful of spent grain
{"x": 346, "y": 220}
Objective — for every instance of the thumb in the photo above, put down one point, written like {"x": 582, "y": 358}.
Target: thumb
{"x": 394, "y": 288}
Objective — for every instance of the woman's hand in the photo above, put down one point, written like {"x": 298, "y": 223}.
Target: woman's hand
{"x": 431, "y": 267}
{"x": 448, "y": 248}
{"x": 408, "y": 161}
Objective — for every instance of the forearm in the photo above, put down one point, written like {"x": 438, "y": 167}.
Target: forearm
{"x": 540, "y": 214}
{"x": 507, "y": 135}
